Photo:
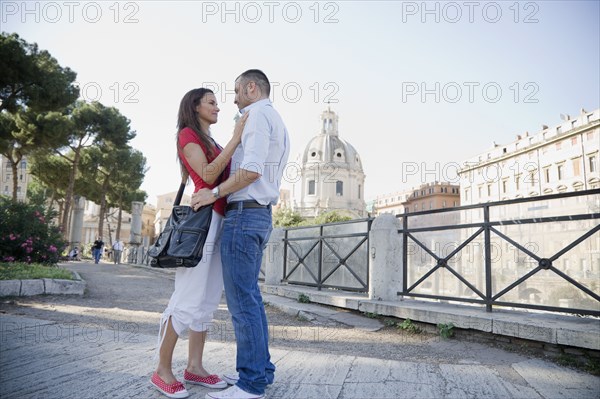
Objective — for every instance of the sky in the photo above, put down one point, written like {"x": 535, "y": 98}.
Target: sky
{"x": 419, "y": 87}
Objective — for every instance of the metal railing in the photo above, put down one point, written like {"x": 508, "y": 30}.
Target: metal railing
{"x": 543, "y": 283}
{"x": 339, "y": 253}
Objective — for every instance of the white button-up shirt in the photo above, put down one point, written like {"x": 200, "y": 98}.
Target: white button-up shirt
{"x": 264, "y": 149}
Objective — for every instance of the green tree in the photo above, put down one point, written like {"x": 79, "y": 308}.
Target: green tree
{"x": 111, "y": 177}
{"x": 330, "y": 217}
{"x": 94, "y": 127}
{"x": 51, "y": 172}
{"x": 31, "y": 84}
{"x": 126, "y": 185}
{"x": 285, "y": 217}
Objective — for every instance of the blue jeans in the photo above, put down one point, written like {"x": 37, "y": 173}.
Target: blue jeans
{"x": 96, "y": 252}
{"x": 245, "y": 236}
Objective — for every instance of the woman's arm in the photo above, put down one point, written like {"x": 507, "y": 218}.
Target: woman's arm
{"x": 210, "y": 172}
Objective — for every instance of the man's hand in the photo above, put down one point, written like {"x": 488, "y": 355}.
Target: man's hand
{"x": 202, "y": 197}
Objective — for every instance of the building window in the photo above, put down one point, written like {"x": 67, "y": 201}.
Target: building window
{"x": 311, "y": 187}
{"x": 592, "y": 162}
{"x": 489, "y": 190}
{"x": 339, "y": 188}
{"x": 443, "y": 204}
{"x": 558, "y": 144}
{"x": 359, "y": 191}
{"x": 560, "y": 171}
{"x": 547, "y": 174}
{"x": 504, "y": 185}
{"x": 532, "y": 178}
{"x": 576, "y": 166}
{"x": 479, "y": 191}
{"x": 517, "y": 181}
{"x": 430, "y": 204}
{"x": 589, "y": 135}
{"x": 559, "y": 130}
{"x": 574, "y": 140}
{"x": 23, "y": 164}
{"x": 466, "y": 194}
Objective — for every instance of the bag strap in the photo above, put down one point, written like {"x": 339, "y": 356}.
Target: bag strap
{"x": 184, "y": 176}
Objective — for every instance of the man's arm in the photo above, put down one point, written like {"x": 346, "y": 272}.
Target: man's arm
{"x": 242, "y": 178}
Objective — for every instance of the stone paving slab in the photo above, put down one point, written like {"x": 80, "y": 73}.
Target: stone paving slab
{"x": 44, "y": 359}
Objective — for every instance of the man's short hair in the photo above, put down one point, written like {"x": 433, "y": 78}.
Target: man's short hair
{"x": 257, "y": 76}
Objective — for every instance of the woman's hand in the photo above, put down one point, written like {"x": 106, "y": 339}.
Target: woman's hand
{"x": 239, "y": 128}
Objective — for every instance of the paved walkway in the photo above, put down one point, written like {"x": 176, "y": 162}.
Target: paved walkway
{"x": 101, "y": 345}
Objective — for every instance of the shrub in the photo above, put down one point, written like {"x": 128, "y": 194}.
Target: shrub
{"x": 27, "y": 235}
{"x": 410, "y": 327}
{"x": 446, "y": 330}
{"x": 303, "y": 298}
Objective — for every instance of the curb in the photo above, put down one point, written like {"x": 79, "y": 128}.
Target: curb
{"x": 553, "y": 329}
{"x": 43, "y": 286}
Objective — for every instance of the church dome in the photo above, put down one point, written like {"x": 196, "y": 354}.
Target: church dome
{"x": 328, "y": 147}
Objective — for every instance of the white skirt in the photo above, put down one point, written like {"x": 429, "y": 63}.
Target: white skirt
{"x": 198, "y": 289}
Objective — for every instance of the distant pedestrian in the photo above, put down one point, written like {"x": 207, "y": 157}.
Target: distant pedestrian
{"x": 117, "y": 251}
{"x": 74, "y": 254}
{"x": 97, "y": 248}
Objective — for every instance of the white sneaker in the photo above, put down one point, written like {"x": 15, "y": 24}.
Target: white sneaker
{"x": 231, "y": 378}
{"x": 233, "y": 392}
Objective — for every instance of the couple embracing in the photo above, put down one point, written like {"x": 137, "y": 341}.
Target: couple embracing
{"x": 242, "y": 184}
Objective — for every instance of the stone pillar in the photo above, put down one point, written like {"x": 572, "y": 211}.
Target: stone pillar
{"x": 385, "y": 266}
{"x": 77, "y": 223}
{"x": 135, "y": 236}
{"x": 273, "y": 258}
{"x": 136, "y": 223}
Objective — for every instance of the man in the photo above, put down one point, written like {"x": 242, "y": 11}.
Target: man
{"x": 252, "y": 188}
{"x": 117, "y": 251}
{"x": 97, "y": 249}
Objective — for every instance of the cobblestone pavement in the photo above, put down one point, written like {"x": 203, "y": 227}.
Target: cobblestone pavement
{"x": 101, "y": 345}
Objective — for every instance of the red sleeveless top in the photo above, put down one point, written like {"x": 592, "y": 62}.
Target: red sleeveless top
{"x": 187, "y": 136}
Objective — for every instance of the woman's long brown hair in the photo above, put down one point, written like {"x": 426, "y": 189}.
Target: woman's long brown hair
{"x": 188, "y": 117}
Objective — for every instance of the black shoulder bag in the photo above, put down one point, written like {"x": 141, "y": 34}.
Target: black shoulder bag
{"x": 182, "y": 240}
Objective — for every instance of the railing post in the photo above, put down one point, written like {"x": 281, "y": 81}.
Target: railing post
{"x": 488, "y": 258}
{"x": 285, "y": 245}
{"x": 320, "y": 269}
{"x": 404, "y": 253}
{"x": 272, "y": 254}
{"x": 384, "y": 251}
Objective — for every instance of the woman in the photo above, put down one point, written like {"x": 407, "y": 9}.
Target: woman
{"x": 198, "y": 289}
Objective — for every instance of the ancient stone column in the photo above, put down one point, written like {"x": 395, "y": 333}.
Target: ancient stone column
{"x": 135, "y": 238}
{"x": 77, "y": 223}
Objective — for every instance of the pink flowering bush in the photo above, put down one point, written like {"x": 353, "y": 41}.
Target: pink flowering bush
{"x": 25, "y": 234}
